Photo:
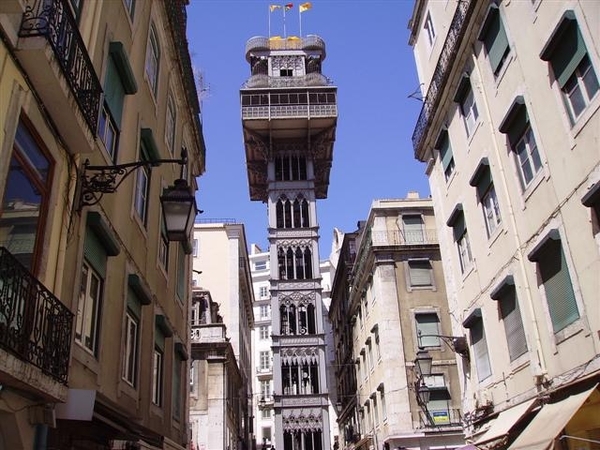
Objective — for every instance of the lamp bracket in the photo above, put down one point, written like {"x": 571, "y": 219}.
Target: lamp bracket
{"x": 95, "y": 181}
{"x": 458, "y": 344}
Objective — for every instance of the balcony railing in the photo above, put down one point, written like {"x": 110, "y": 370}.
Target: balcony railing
{"x": 264, "y": 81}
{"x": 53, "y": 20}
{"x": 290, "y": 111}
{"x": 437, "y": 418}
{"x": 34, "y": 325}
{"x": 400, "y": 237}
{"x": 442, "y": 71}
{"x": 208, "y": 333}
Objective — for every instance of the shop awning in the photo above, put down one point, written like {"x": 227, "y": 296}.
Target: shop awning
{"x": 549, "y": 422}
{"x": 507, "y": 419}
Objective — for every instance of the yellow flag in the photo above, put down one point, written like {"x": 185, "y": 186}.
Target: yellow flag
{"x": 274, "y": 7}
{"x": 305, "y": 6}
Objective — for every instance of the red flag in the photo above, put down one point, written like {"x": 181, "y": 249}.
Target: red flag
{"x": 289, "y": 6}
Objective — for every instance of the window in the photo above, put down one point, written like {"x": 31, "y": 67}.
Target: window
{"x": 439, "y": 397}
{"x": 522, "y": 142}
{"x": 467, "y": 106}
{"x": 292, "y": 214}
{"x": 428, "y": 329}
{"x": 300, "y": 378}
{"x": 486, "y": 193}
{"x": 265, "y": 390}
{"x": 195, "y": 248}
{"x": 142, "y": 186}
{"x": 178, "y": 364}
{"x": 412, "y": 227}
{"x": 131, "y": 348}
{"x": 295, "y": 263}
{"x": 446, "y": 156}
{"x": 88, "y": 309}
{"x": 375, "y": 409}
{"x": 266, "y": 413}
{"x": 377, "y": 346}
{"x": 592, "y": 200}
{"x": 119, "y": 81}
{"x": 420, "y": 273}
{"x": 170, "y": 125}
{"x": 479, "y": 344}
{"x": 265, "y": 311}
{"x": 382, "y": 401}
{"x": 556, "y": 281}
{"x": 463, "y": 246}
{"x": 263, "y": 291}
{"x": 290, "y": 168}
{"x": 181, "y": 274}
{"x": 265, "y": 360}
{"x": 266, "y": 434}
{"x": 510, "y": 314}
{"x": 428, "y": 27}
{"x": 163, "y": 248}
{"x": 494, "y": 39}
{"x": 152, "y": 60}
{"x": 107, "y": 132}
{"x": 260, "y": 265}
{"x": 157, "y": 377}
{"x": 264, "y": 332}
{"x": 567, "y": 54}
{"x": 26, "y": 194}
{"x": 297, "y": 318}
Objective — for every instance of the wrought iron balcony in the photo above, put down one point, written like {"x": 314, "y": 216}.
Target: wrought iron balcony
{"x": 53, "y": 20}
{"x": 34, "y": 325}
{"x": 458, "y": 26}
{"x": 401, "y": 237}
{"x": 437, "y": 418}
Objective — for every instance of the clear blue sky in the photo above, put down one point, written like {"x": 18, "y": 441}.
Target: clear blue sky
{"x": 370, "y": 62}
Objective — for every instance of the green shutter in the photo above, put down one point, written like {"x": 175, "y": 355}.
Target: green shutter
{"x": 568, "y": 53}
{"x": 133, "y": 303}
{"x": 480, "y": 350}
{"x": 459, "y": 227}
{"x": 114, "y": 94}
{"x": 94, "y": 252}
{"x": 159, "y": 338}
{"x": 485, "y": 181}
{"x": 557, "y": 285}
{"x": 446, "y": 153}
{"x": 513, "y": 323}
{"x": 494, "y": 39}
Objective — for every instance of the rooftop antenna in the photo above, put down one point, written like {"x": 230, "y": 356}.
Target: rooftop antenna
{"x": 416, "y": 94}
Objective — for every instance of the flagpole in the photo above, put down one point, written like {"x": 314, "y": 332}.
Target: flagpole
{"x": 269, "y": 21}
{"x": 300, "y": 19}
{"x": 284, "y": 32}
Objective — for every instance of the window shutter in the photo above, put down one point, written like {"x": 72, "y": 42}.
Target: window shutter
{"x": 445, "y": 152}
{"x": 495, "y": 40}
{"x": 513, "y": 324}
{"x": 420, "y": 273}
{"x": 568, "y": 53}
{"x": 413, "y": 228}
{"x": 428, "y": 324}
{"x": 557, "y": 285}
{"x": 459, "y": 227}
{"x": 95, "y": 252}
{"x": 480, "y": 350}
{"x": 159, "y": 338}
{"x": 133, "y": 303}
{"x": 114, "y": 93}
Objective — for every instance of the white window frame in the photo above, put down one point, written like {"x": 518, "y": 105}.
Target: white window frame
{"x": 88, "y": 310}
{"x": 527, "y": 157}
{"x": 153, "y": 59}
{"x": 107, "y": 132}
{"x": 465, "y": 256}
{"x": 171, "y": 123}
{"x": 491, "y": 210}
{"x": 469, "y": 111}
{"x": 577, "y": 84}
{"x": 142, "y": 188}
{"x": 131, "y": 348}
{"x": 264, "y": 332}
{"x": 429, "y": 29}
{"x": 265, "y": 360}
{"x": 157, "y": 376}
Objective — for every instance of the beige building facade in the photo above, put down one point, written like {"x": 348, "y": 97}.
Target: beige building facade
{"x": 94, "y": 296}
{"x": 509, "y": 133}
{"x": 389, "y": 302}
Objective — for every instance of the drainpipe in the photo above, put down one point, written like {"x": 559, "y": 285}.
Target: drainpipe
{"x": 41, "y": 437}
{"x": 520, "y": 257}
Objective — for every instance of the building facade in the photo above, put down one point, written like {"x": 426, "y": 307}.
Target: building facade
{"x": 509, "y": 131}
{"x": 289, "y": 115}
{"x": 388, "y": 303}
{"x": 93, "y": 294}
{"x": 222, "y": 322}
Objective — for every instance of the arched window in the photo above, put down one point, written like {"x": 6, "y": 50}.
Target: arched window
{"x": 290, "y": 168}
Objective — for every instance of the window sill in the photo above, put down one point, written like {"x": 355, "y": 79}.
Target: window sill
{"x": 85, "y": 357}
{"x": 503, "y": 70}
{"x": 471, "y": 136}
{"x": 530, "y": 189}
{"x": 584, "y": 118}
{"x": 492, "y": 238}
{"x": 520, "y": 363}
{"x": 468, "y": 270}
{"x": 568, "y": 332}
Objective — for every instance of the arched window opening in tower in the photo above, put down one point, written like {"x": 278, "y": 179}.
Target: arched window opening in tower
{"x": 300, "y": 379}
{"x": 297, "y": 320}
{"x": 295, "y": 264}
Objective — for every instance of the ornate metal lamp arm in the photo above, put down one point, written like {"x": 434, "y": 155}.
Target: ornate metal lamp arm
{"x": 95, "y": 181}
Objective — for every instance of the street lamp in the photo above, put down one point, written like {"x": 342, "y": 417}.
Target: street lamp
{"x": 178, "y": 201}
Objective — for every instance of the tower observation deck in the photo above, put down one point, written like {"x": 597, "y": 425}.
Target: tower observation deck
{"x": 289, "y": 117}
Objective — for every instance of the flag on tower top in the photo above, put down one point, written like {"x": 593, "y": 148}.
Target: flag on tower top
{"x": 289, "y": 6}
{"x": 305, "y": 6}
{"x": 274, "y": 7}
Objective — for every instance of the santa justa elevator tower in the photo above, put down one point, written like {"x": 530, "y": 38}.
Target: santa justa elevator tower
{"x": 289, "y": 115}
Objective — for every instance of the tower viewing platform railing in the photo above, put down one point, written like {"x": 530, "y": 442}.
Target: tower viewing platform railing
{"x": 259, "y": 44}
{"x": 265, "y": 81}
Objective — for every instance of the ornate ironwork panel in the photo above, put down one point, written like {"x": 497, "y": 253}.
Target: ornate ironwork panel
{"x": 34, "y": 325}
{"x": 54, "y": 20}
